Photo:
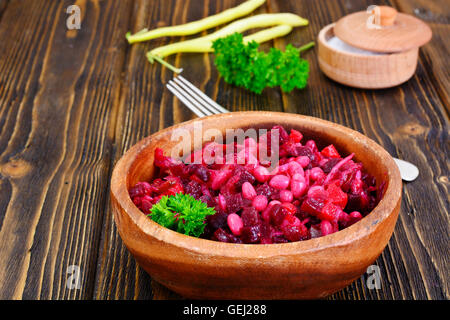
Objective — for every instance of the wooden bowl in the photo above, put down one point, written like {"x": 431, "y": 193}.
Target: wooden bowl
{"x": 365, "y": 71}
{"x": 199, "y": 268}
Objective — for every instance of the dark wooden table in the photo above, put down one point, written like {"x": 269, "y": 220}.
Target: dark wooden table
{"x": 73, "y": 101}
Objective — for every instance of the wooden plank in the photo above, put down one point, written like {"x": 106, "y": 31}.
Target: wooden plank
{"x": 3, "y": 4}
{"x": 437, "y": 15}
{"x": 59, "y": 92}
{"x": 411, "y": 123}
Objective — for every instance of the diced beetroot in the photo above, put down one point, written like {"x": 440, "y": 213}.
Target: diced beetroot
{"x": 353, "y": 203}
{"x": 313, "y": 205}
{"x": 290, "y": 149}
{"x": 208, "y": 200}
{"x": 304, "y": 151}
{"x": 329, "y": 164}
{"x": 336, "y": 168}
{"x": 219, "y": 178}
{"x": 266, "y": 214}
{"x": 251, "y": 234}
{"x": 140, "y": 189}
{"x": 346, "y": 178}
{"x": 295, "y": 136}
{"x": 317, "y": 192}
{"x": 279, "y": 238}
{"x": 265, "y": 190}
{"x": 163, "y": 162}
{"x": 177, "y": 188}
{"x": 244, "y": 176}
{"x": 330, "y": 212}
{"x": 194, "y": 189}
{"x": 170, "y": 187}
{"x": 311, "y": 144}
{"x": 202, "y": 173}
{"x": 246, "y": 203}
{"x": 157, "y": 198}
{"x": 277, "y": 214}
{"x": 250, "y": 216}
{"x": 146, "y": 204}
{"x": 234, "y": 239}
{"x": 357, "y": 183}
{"x": 284, "y": 136}
{"x": 335, "y": 226}
{"x": 368, "y": 179}
{"x": 137, "y": 201}
{"x": 180, "y": 170}
{"x": 196, "y": 179}
{"x": 230, "y": 186}
{"x": 221, "y": 235}
{"x": 217, "y": 220}
{"x": 336, "y": 195}
{"x": 234, "y": 203}
{"x": 290, "y": 208}
{"x": 266, "y": 233}
{"x": 295, "y": 233}
{"x": 330, "y": 152}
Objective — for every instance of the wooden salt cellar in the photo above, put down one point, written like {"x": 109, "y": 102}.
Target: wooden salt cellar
{"x": 396, "y": 37}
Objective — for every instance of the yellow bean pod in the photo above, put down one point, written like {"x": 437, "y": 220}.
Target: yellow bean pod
{"x": 197, "y": 26}
{"x": 284, "y": 22}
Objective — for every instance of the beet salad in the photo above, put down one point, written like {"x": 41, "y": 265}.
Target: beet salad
{"x": 309, "y": 193}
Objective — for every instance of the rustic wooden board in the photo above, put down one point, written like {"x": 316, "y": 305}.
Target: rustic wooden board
{"x": 435, "y": 14}
{"x": 59, "y": 93}
{"x": 3, "y": 4}
{"x": 72, "y": 102}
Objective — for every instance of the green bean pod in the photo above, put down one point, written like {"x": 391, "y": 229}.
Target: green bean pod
{"x": 197, "y": 26}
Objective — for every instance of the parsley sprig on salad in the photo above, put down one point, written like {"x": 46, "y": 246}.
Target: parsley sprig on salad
{"x": 181, "y": 213}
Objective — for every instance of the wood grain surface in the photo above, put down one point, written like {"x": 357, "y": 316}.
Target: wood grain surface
{"x": 73, "y": 101}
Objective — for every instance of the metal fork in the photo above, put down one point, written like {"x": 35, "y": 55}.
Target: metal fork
{"x": 200, "y": 104}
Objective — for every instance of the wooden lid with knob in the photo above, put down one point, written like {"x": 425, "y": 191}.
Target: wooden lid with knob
{"x": 382, "y": 29}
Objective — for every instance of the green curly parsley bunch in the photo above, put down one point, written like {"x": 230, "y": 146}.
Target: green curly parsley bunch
{"x": 245, "y": 66}
{"x": 181, "y": 213}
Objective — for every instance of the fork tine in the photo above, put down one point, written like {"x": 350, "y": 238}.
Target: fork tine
{"x": 191, "y": 98}
{"x": 203, "y": 96}
{"x": 195, "y": 96}
{"x": 185, "y": 101}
